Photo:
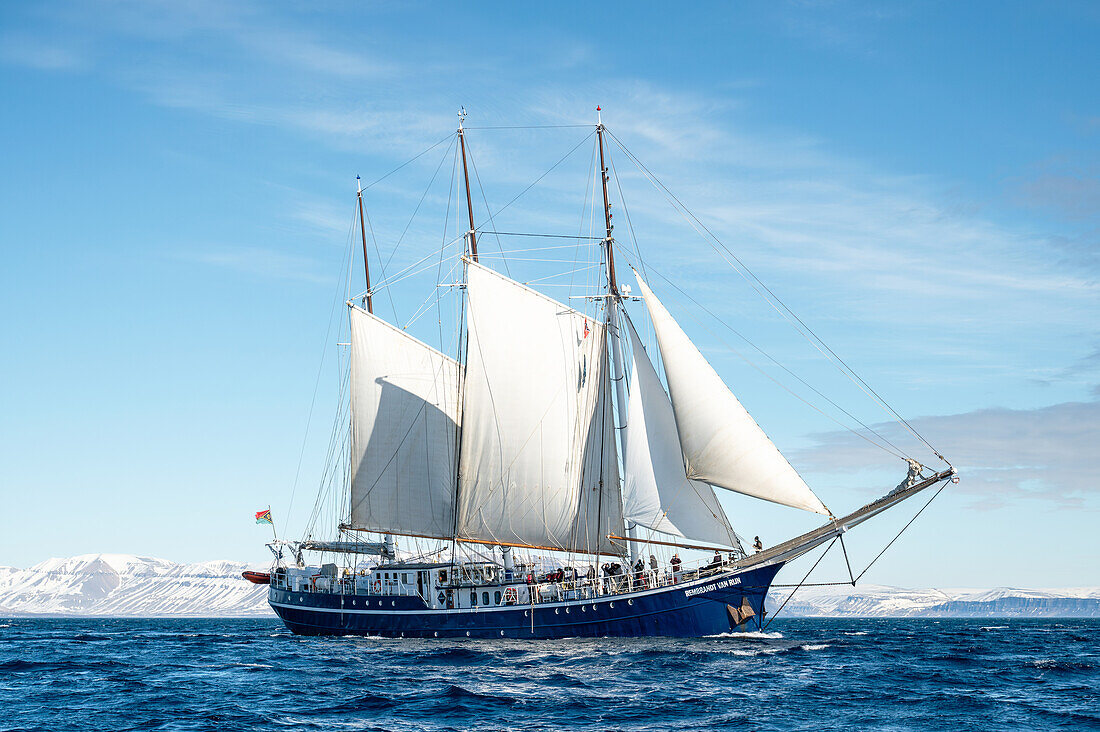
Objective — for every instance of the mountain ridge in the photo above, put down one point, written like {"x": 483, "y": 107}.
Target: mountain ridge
{"x": 127, "y": 585}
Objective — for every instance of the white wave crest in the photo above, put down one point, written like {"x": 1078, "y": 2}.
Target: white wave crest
{"x": 754, "y": 634}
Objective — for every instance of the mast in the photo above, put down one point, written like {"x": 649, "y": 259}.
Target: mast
{"x": 618, "y": 369}
{"x": 363, "y": 231}
{"x": 463, "y": 336}
{"x": 608, "y": 241}
{"x": 466, "y": 176}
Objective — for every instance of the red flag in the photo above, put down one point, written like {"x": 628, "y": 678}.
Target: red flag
{"x": 586, "y": 329}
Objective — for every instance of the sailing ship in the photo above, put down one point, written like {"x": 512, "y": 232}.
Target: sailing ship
{"x": 545, "y": 465}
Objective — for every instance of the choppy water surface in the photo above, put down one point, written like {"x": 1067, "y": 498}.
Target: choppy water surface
{"x": 116, "y": 674}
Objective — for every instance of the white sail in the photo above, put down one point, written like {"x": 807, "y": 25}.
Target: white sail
{"x": 404, "y": 406}
{"x": 656, "y": 492}
{"x": 537, "y": 467}
{"x": 722, "y": 443}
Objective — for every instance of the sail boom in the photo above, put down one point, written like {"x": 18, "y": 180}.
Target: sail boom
{"x": 521, "y": 545}
{"x": 681, "y": 545}
{"x": 440, "y": 537}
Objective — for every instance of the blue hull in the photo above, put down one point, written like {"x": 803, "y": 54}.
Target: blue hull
{"x": 716, "y": 604}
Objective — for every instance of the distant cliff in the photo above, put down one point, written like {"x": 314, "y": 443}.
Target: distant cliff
{"x": 122, "y": 584}
{"x": 880, "y": 601}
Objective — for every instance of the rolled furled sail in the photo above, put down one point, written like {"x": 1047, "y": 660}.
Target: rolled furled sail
{"x": 404, "y": 409}
{"x": 656, "y": 492}
{"x": 538, "y": 465}
{"x": 722, "y": 444}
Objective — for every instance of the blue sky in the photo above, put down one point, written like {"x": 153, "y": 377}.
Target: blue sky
{"x": 920, "y": 182}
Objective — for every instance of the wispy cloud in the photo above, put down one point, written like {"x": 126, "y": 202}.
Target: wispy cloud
{"x": 1072, "y": 192}
{"x": 261, "y": 262}
{"x": 1045, "y": 454}
{"x": 902, "y": 253}
{"x": 37, "y": 53}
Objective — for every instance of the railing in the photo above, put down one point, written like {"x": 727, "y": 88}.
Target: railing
{"x": 540, "y": 590}
{"x": 620, "y": 584}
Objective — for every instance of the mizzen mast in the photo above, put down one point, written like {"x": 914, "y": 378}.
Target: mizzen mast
{"x": 471, "y": 234}
{"x": 363, "y": 231}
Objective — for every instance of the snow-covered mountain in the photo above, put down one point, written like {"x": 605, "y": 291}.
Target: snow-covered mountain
{"x": 123, "y": 584}
{"x": 127, "y": 585}
{"x": 880, "y": 601}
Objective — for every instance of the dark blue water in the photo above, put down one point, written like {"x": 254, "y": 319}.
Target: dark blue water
{"x": 811, "y": 674}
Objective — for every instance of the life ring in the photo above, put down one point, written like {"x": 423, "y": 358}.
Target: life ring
{"x": 377, "y": 586}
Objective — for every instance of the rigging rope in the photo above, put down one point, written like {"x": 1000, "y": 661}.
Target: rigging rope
{"x": 485, "y": 200}
{"x": 903, "y": 528}
{"x": 417, "y": 209}
{"x": 527, "y": 127}
{"x": 858, "y": 577}
{"x": 539, "y": 179}
{"x": 895, "y": 451}
{"x": 777, "y": 304}
{"x": 348, "y": 257}
{"x": 410, "y": 160}
{"x": 548, "y": 236}
{"x": 804, "y": 578}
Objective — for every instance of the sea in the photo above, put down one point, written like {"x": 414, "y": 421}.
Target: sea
{"x": 802, "y": 674}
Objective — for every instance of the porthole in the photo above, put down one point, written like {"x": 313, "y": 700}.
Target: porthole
{"x": 393, "y": 603}
{"x": 437, "y": 634}
{"x": 353, "y": 603}
{"x": 612, "y": 604}
{"x": 525, "y": 613}
{"x": 593, "y": 608}
{"x": 467, "y": 634}
{"x": 379, "y": 603}
{"x": 584, "y": 609}
{"x": 502, "y": 634}
{"x": 566, "y": 611}
{"x": 629, "y": 602}
{"x": 556, "y": 611}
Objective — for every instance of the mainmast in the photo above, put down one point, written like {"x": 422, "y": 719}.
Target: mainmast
{"x": 363, "y": 231}
{"x": 618, "y": 368}
{"x": 471, "y": 234}
{"x": 608, "y": 241}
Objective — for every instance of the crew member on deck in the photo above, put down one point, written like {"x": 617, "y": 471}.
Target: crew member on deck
{"x": 675, "y": 562}
{"x": 758, "y": 545}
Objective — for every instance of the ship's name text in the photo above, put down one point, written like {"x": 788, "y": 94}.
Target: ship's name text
{"x": 730, "y": 582}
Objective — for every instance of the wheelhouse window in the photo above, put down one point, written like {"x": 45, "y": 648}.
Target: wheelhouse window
{"x": 473, "y": 599}
{"x": 496, "y": 597}
{"x": 484, "y": 598}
